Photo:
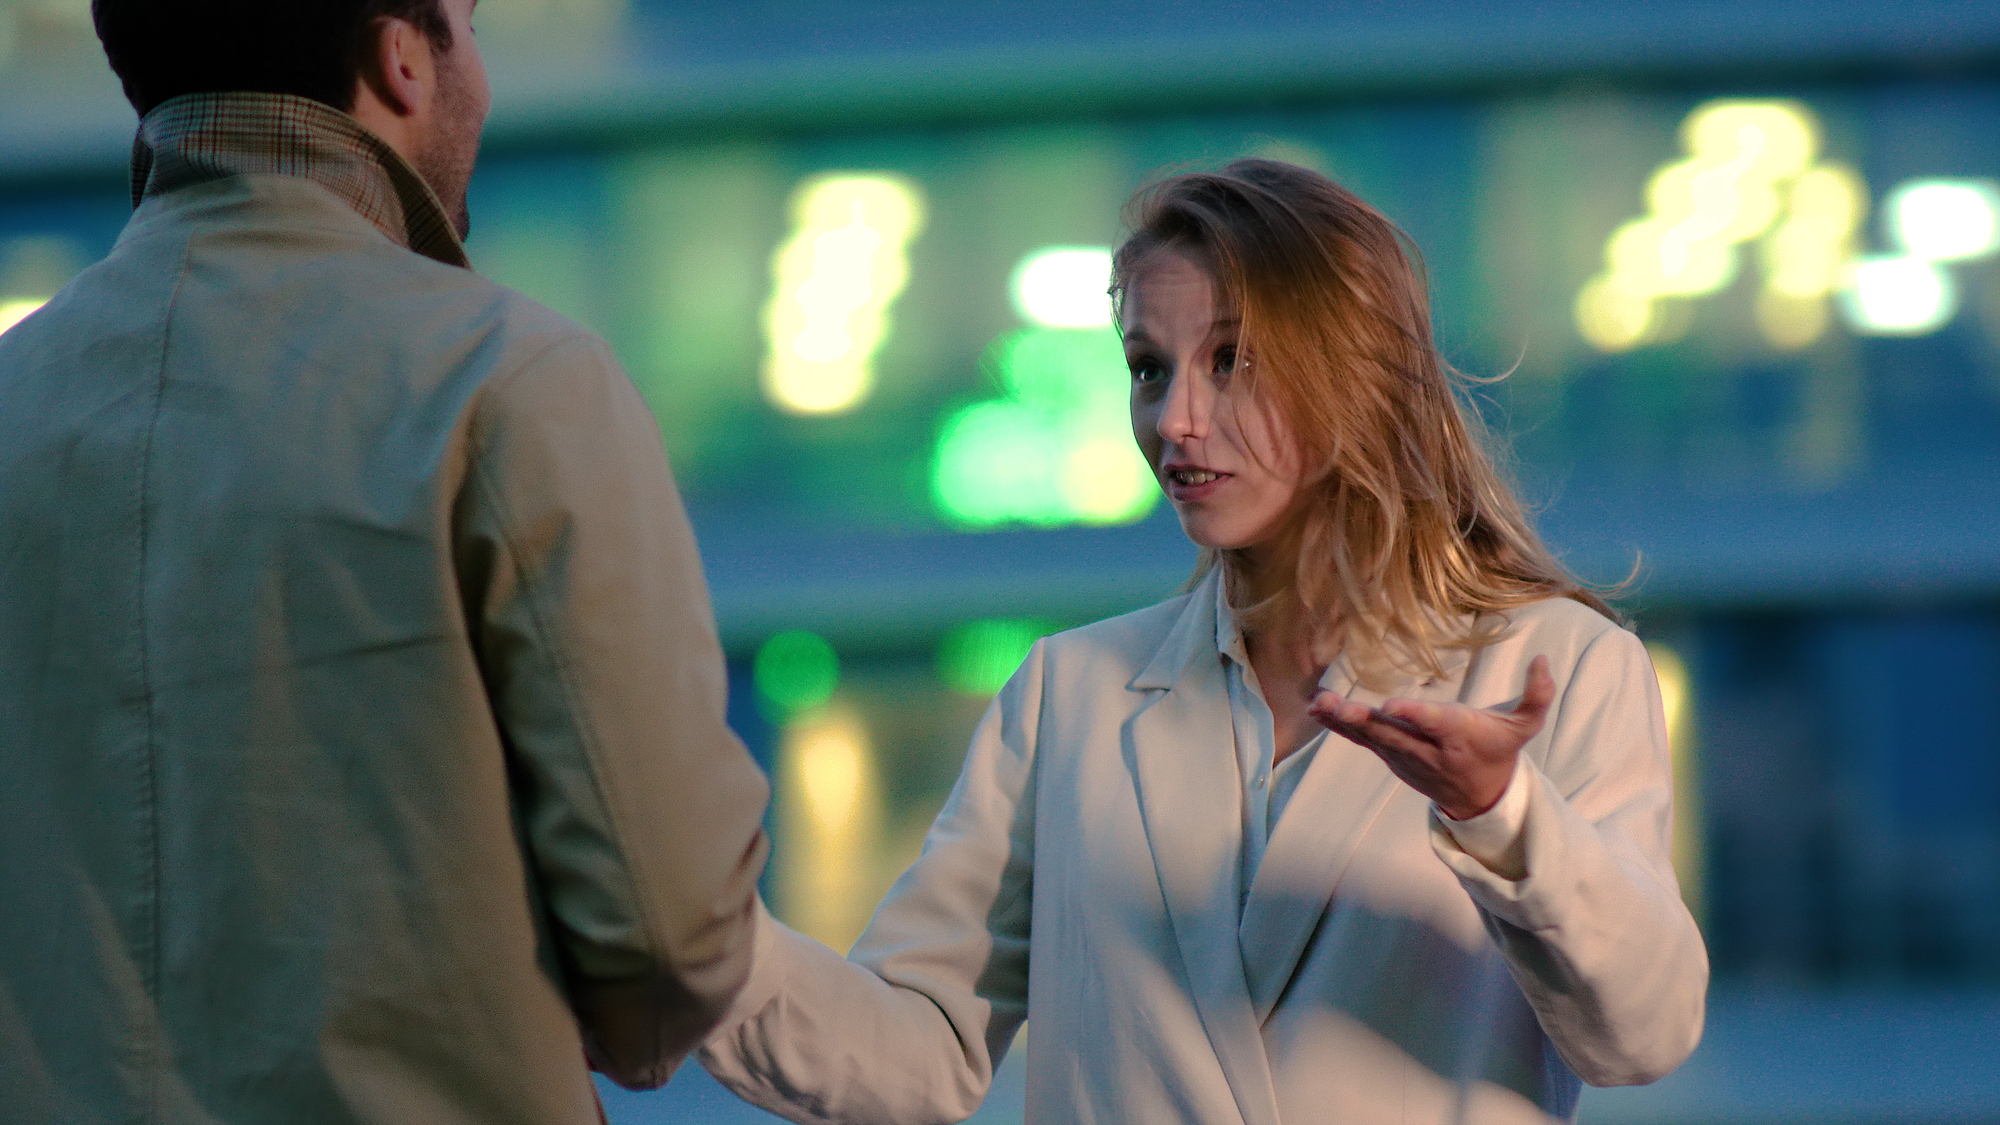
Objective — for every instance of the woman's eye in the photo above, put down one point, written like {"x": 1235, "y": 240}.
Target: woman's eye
{"x": 1147, "y": 372}
{"x": 1225, "y": 359}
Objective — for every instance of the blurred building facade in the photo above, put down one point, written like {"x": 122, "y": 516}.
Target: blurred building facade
{"x": 1738, "y": 265}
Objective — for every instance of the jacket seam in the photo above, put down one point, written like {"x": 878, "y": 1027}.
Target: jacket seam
{"x": 155, "y": 874}
{"x": 560, "y": 659}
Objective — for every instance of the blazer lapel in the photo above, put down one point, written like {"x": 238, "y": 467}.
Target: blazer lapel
{"x": 1181, "y": 748}
{"x": 1344, "y": 791}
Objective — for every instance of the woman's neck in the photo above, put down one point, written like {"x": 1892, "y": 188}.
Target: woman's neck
{"x": 1280, "y": 647}
{"x": 1262, "y": 572}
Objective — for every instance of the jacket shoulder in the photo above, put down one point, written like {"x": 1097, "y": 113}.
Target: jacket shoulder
{"x": 1562, "y": 628}
{"x": 1126, "y": 642}
{"x": 253, "y": 233}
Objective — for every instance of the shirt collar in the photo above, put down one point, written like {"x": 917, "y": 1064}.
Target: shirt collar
{"x": 199, "y": 137}
{"x": 1228, "y": 638}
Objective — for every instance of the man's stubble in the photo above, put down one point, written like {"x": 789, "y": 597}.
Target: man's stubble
{"x": 447, "y": 160}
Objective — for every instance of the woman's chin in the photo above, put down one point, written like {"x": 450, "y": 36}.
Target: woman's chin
{"x": 1205, "y": 534}
{"x": 1205, "y": 530}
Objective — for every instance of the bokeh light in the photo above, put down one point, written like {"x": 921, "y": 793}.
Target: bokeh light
{"x": 1677, "y": 702}
{"x": 1804, "y": 254}
{"x": 14, "y": 312}
{"x": 1742, "y": 158}
{"x": 1898, "y": 296}
{"x": 835, "y": 279}
{"x": 829, "y": 820}
{"x": 795, "y": 671}
{"x": 1057, "y": 449}
{"x": 1064, "y": 287}
{"x": 1945, "y": 220}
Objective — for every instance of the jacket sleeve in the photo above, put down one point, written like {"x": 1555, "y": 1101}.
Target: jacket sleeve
{"x": 908, "y": 1029}
{"x": 1595, "y": 933}
{"x": 640, "y": 812}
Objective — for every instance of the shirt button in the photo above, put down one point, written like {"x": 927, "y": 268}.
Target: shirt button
{"x": 1260, "y": 781}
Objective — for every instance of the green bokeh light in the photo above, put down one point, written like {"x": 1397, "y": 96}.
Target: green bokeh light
{"x": 1064, "y": 370}
{"x": 795, "y": 671}
{"x": 1057, "y": 448}
{"x": 977, "y": 658}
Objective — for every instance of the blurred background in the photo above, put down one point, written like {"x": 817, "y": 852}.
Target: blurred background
{"x": 1737, "y": 261}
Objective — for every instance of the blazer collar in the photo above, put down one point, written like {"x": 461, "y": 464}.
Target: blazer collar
{"x": 1181, "y": 746}
{"x": 1344, "y": 792}
{"x": 1192, "y": 637}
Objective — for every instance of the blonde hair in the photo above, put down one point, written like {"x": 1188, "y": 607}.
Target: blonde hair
{"x": 1408, "y": 538}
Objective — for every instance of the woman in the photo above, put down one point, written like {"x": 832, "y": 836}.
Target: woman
{"x": 1370, "y": 825}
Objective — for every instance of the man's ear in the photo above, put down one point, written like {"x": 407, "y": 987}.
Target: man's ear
{"x": 398, "y": 71}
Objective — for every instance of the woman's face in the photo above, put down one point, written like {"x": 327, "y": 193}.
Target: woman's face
{"x": 1229, "y": 466}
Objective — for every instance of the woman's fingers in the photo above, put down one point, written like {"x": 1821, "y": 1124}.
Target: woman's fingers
{"x": 1458, "y": 756}
{"x": 1374, "y": 728}
{"x": 1428, "y": 721}
{"x": 1330, "y": 706}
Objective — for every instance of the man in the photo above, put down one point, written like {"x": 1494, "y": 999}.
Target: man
{"x": 361, "y": 713}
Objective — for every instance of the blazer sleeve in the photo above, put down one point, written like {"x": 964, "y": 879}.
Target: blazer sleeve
{"x": 908, "y": 1029}
{"x": 641, "y": 814}
{"x": 1595, "y": 933}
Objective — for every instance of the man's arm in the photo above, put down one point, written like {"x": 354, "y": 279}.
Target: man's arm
{"x": 641, "y": 810}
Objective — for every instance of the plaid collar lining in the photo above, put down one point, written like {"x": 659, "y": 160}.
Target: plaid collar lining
{"x": 199, "y": 137}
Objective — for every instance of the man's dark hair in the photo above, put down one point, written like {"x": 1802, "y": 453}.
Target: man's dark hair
{"x": 161, "y": 49}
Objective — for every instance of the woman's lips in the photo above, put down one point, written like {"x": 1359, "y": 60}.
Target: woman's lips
{"x": 1186, "y": 483}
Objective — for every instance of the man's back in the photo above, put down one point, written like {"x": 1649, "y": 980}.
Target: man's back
{"x": 354, "y": 668}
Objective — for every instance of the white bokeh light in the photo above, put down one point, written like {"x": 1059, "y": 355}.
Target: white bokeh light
{"x": 1946, "y": 220}
{"x": 1899, "y": 296}
{"x": 1064, "y": 287}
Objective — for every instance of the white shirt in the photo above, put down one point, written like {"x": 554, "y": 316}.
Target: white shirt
{"x": 1493, "y": 837}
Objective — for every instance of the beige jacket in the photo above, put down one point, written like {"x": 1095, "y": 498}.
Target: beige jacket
{"x": 1084, "y": 872}
{"x": 361, "y": 712}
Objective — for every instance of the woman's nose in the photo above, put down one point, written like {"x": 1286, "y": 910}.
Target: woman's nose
{"x": 1187, "y": 410}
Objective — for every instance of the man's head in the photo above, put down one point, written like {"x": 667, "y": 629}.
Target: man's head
{"x": 408, "y": 69}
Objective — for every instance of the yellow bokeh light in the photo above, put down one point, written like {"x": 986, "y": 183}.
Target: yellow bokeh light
{"x": 1804, "y": 255}
{"x": 830, "y": 771}
{"x": 1677, "y": 701}
{"x": 830, "y": 825}
{"x": 14, "y": 312}
{"x": 835, "y": 279}
{"x": 1611, "y": 318}
{"x": 1731, "y": 187}
{"x": 1790, "y": 321}
{"x": 1776, "y": 138}
{"x": 1105, "y": 479}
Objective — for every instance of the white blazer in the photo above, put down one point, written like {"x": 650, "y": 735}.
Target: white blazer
{"x": 1084, "y": 871}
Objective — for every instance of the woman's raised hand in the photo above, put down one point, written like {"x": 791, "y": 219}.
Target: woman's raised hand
{"x": 1458, "y": 756}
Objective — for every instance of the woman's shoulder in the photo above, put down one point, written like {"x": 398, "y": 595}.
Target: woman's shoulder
{"x": 1561, "y": 625}
{"x": 1125, "y": 642}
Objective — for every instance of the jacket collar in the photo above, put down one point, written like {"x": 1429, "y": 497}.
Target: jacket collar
{"x": 200, "y": 137}
{"x": 1192, "y": 637}
{"x": 1180, "y": 748}
{"x": 1197, "y": 635}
